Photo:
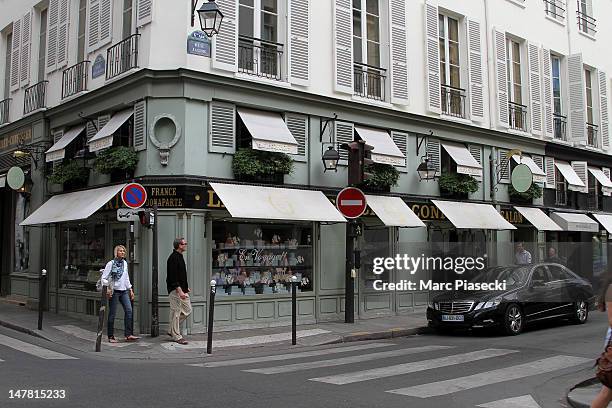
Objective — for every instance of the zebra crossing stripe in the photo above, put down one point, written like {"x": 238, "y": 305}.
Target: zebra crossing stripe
{"x": 282, "y": 357}
{"x": 516, "y": 372}
{"x": 33, "y": 349}
{"x": 412, "y": 367}
{"x": 524, "y": 401}
{"x": 345, "y": 360}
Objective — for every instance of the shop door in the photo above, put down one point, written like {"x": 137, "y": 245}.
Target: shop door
{"x": 5, "y": 235}
{"x": 375, "y": 242}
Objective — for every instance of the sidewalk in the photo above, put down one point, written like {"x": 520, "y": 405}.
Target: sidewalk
{"x": 81, "y": 335}
{"x": 583, "y": 393}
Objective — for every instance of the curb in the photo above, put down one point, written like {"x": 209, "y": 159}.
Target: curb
{"x": 25, "y": 330}
{"x": 386, "y": 334}
{"x": 586, "y": 383}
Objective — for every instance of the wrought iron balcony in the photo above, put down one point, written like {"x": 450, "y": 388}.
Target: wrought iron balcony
{"x": 453, "y": 101}
{"x": 4, "y": 111}
{"x": 559, "y": 126}
{"x": 369, "y": 81}
{"x": 74, "y": 79}
{"x": 517, "y": 116}
{"x": 35, "y": 97}
{"x": 586, "y": 23}
{"x": 554, "y": 9}
{"x": 591, "y": 135}
{"x": 122, "y": 56}
{"x": 260, "y": 58}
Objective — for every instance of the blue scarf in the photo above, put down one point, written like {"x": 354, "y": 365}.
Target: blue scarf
{"x": 117, "y": 269}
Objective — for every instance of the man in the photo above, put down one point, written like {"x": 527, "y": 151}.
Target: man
{"x": 553, "y": 257}
{"x": 523, "y": 257}
{"x": 178, "y": 289}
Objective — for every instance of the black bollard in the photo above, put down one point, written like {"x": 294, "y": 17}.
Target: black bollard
{"x": 211, "y": 316}
{"x": 42, "y": 286}
{"x": 293, "y": 310}
{"x": 103, "y": 301}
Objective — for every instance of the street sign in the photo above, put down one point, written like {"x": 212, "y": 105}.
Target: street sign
{"x": 351, "y": 202}
{"x": 127, "y": 214}
{"x": 134, "y": 195}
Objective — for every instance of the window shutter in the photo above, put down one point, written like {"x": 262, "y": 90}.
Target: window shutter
{"x": 577, "y": 114}
{"x": 399, "y": 52}
{"x": 535, "y": 88}
{"x": 144, "y": 12}
{"x": 432, "y": 57}
{"x": 539, "y": 161}
{"x": 140, "y": 126}
{"x": 580, "y": 167}
{"x": 343, "y": 46}
{"x": 91, "y": 128}
{"x": 26, "y": 41}
{"x": 15, "y": 55}
{"x": 433, "y": 152}
{"x": 222, "y": 134}
{"x": 549, "y": 163}
{"x": 603, "y": 109}
{"x": 476, "y": 152}
{"x": 606, "y": 171}
{"x": 344, "y": 133}
{"x": 298, "y": 126}
{"x": 547, "y": 126}
{"x": 504, "y": 166}
{"x": 93, "y": 26}
{"x": 476, "y": 68}
{"x": 225, "y": 44}
{"x": 63, "y": 33}
{"x": 401, "y": 141}
{"x": 103, "y": 120}
{"x": 106, "y": 22}
{"x": 501, "y": 78}
{"x": 57, "y": 135}
{"x": 52, "y": 33}
{"x": 299, "y": 30}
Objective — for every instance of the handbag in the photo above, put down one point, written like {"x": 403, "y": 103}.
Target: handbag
{"x": 109, "y": 287}
{"x": 604, "y": 366}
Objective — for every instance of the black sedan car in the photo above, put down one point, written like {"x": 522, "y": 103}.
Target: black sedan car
{"x": 533, "y": 293}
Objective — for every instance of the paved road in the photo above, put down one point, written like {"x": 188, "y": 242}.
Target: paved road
{"x": 485, "y": 370}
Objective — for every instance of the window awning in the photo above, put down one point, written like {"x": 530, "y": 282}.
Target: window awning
{"x": 472, "y": 215}
{"x": 538, "y": 219}
{"x": 271, "y": 203}
{"x": 569, "y": 174}
{"x": 104, "y": 137}
{"x": 58, "y": 150}
{"x": 606, "y": 184}
{"x": 575, "y": 222}
{"x": 2, "y": 180}
{"x": 268, "y": 130}
{"x": 605, "y": 220}
{"x": 72, "y": 206}
{"x": 466, "y": 163}
{"x": 539, "y": 176}
{"x": 393, "y": 211}
{"x": 385, "y": 150}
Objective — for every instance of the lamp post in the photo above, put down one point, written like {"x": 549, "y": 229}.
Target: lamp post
{"x": 210, "y": 17}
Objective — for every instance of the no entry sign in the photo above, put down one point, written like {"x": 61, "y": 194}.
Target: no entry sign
{"x": 351, "y": 202}
{"x": 134, "y": 195}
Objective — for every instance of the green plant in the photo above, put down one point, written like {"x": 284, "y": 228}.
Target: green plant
{"x": 457, "y": 183}
{"x": 535, "y": 191}
{"x": 117, "y": 158}
{"x": 250, "y": 162}
{"x": 382, "y": 175}
{"x": 69, "y": 172}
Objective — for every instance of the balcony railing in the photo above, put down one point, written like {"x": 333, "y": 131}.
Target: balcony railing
{"x": 260, "y": 58}
{"x": 559, "y": 126}
{"x": 591, "y": 135}
{"x": 4, "y": 111}
{"x": 554, "y": 9}
{"x": 517, "y": 116}
{"x": 35, "y": 97}
{"x": 369, "y": 81}
{"x": 74, "y": 79}
{"x": 586, "y": 23}
{"x": 453, "y": 101}
{"x": 122, "y": 56}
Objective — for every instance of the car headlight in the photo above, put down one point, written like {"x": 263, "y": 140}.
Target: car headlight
{"x": 433, "y": 305}
{"x": 488, "y": 305}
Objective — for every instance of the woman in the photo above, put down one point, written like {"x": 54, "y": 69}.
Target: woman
{"x": 605, "y": 305}
{"x": 116, "y": 270}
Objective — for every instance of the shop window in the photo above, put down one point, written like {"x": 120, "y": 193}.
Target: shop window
{"x": 22, "y": 234}
{"x": 243, "y": 136}
{"x": 595, "y": 195}
{"x": 261, "y": 259}
{"x": 124, "y": 136}
{"x": 82, "y": 255}
{"x": 447, "y": 164}
{"x": 375, "y": 244}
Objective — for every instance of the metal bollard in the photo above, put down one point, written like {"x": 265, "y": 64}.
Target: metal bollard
{"x": 293, "y": 310}
{"x": 103, "y": 302}
{"x": 211, "y": 316}
{"x": 42, "y": 285}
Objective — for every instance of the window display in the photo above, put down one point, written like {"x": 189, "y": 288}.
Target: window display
{"x": 375, "y": 243}
{"x": 22, "y": 238}
{"x": 256, "y": 259}
{"x": 83, "y": 255}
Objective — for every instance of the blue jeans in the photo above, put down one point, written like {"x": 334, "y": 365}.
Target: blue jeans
{"x": 122, "y": 296}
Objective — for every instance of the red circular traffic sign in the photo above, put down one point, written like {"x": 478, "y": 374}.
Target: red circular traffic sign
{"x": 134, "y": 195}
{"x": 351, "y": 202}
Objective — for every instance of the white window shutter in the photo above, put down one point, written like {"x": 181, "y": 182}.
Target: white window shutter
{"x": 433, "y": 152}
{"x": 343, "y": 46}
{"x": 298, "y": 126}
{"x": 501, "y": 78}
{"x": 401, "y": 141}
{"x": 535, "y": 88}
{"x": 399, "y": 52}
{"x": 106, "y": 22}
{"x": 548, "y": 125}
{"x": 476, "y": 152}
{"x": 550, "y": 169}
{"x": 140, "y": 126}
{"x": 144, "y": 12}
{"x": 577, "y": 111}
{"x": 580, "y": 167}
{"x": 57, "y": 135}
{"x": 222, "y": 129}
{"x": 103, "y": 120}
{"x": 52, "y": 33}
{"x": 476, "y": 70}
{"x": 504, "y": 166}
{"x": 344, "y": 132}
{"x": 432, "y": 57}
{"x": 603, "y": 109}
{"x": 15, "y": 55}
{"x": 299, "y": 31}
{"x": 225, "y": 44}
{"x": 91, "y": 130}
{"x": 63, "y": 33}
{"x": 606, "y": 171}
{"x": 93, "y": 25}
{"x": 26, "y": 43}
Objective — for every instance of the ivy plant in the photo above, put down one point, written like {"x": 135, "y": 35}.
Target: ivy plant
{"x": 381, "y": 175}
{"x": 251, "y": 162}
{"x": 117, "y": 158}
{"x": 535, "y": 191}
{"x": 458, "y": 183}
{"x": 68, "y": 172}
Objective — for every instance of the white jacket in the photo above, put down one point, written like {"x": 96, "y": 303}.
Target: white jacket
{"x": 123, "y": 283}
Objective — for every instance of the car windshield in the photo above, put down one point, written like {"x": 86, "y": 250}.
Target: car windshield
{"x": 514, "y": 276}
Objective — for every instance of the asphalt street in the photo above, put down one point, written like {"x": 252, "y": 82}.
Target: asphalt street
{"x": 480, "y": 369}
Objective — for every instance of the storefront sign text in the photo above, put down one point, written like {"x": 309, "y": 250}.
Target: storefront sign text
{"x": 164, "y": 197}
{"x": 13, "y": 139}
{"x": 427, "y": 212}
{"x": 512, "y": 216}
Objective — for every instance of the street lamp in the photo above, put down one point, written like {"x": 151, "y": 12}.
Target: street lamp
{"x": 330, "y": 159}
{"x": 210, "y": 17}
{"x": 426, "y": 170}
{"x": 34, "y": 151}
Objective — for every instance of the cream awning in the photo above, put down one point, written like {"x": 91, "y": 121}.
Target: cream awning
{"x": 569, "y": 174}
{"x": 72, "y": 206}
{"x": 393, "y": 211}
{"x": 472, "y": 215}
{"x": 538, "y": 219}
{"x": 606, "y": 184}
{"x": 466, "y": 163}
{"x": 104, "y": 137}
{"x": 385, "y": 150}
{"x": 605, "y": 220}
{"x": 271, "y": 203}
{"x": 58, "y": 150}
{"x": 268, "y": 130}
{"x": 575, "y": 222}
{"x": 539, "y": 176}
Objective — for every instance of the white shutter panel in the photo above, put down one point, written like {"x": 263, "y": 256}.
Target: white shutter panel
{"x": 501, "y": 78}
{"x": 26, "y": 42}
{"x": 548, "y": 125}
{"x": 433, "y": 153}
{"x": 603, "y": 109}
{"x": 535, "y": 88}
{"x": 222, "y": 132}
{"x": 106, "y": 22}
{"x": 140, "y": 126}
{"x": 432, "y": 57}
{"x": 550, "y": 169}
{"x": 15, "y": 55}
{"x": 93, "y": 25}
{"x": 91, "y": 129}
{"x": 52, "y": 34}
{"x": 401, "y": 141}
{"x": 343, "y": 46}
{"x": 298, "y": 126}
{"x": 344, "y": 133}
{"x": 63, "y": 33}
{"x": 504, "y": 166}
{"x": 476, "y": 152}
{"x": 225, "y": 44}
{"x": 606, "y": 191}
{"x": 580, "y": 167}
{"x": 144, "y": 12}
{"x": 299, "y": 31}
{"x": 577, "y": 114}
{"x": 399, "y": 52}
{"x": 57, "y": 135}
{"x": 476, "y": 69}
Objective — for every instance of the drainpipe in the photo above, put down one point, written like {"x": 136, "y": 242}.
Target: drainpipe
{"x": 490, "y": 63}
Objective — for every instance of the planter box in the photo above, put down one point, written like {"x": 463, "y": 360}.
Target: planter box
{"x": 453, "y": 195}
{"x": 277, "y": 178}
{"x": 377, "y": 189}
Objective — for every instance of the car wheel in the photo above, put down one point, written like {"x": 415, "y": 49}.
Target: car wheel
{"x": 513, "y": 320}
{"x": 581, "y": 312}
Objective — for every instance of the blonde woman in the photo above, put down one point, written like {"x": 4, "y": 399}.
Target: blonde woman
{"x": 605, "y": 305}
{"x": 117, "y": 270}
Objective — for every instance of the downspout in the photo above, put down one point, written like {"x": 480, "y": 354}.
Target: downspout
{"x": 489, "y": 62}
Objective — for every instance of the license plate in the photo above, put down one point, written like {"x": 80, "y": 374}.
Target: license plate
{"x": 452, "y": 318}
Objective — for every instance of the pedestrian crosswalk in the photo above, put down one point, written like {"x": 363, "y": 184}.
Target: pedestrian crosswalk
{"x": 32, "y": 349}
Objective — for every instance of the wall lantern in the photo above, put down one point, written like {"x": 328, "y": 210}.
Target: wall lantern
{"x": 330, "y": 159}
{"x": 426, "y": 170}
{"x": 210, "y": 17}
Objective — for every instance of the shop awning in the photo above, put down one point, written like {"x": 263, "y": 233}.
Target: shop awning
{"x": 393, "y": 211}
{"x": 58, "y": 150}
{"x": 385, "y": 150}
{"x": 268, "y": 130}
{"x": 605, "y": 220}
{"x": 538, "y": 219}
{"x": 271, "y": 203}
{"x": 569, "y": 174}
{"x": 72, "y": 206}
{"x": 104, "y": 137}
{"x": 539, "y": 176}
{"x": 2, "y": 180}
{"x": 575, "y": 222}
{"x": 606, "y": 184}
{"x": 472, "y": 215}
{"x": 466, "y": 163}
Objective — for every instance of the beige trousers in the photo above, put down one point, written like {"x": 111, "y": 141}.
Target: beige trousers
{"x": 179, "y": 310}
